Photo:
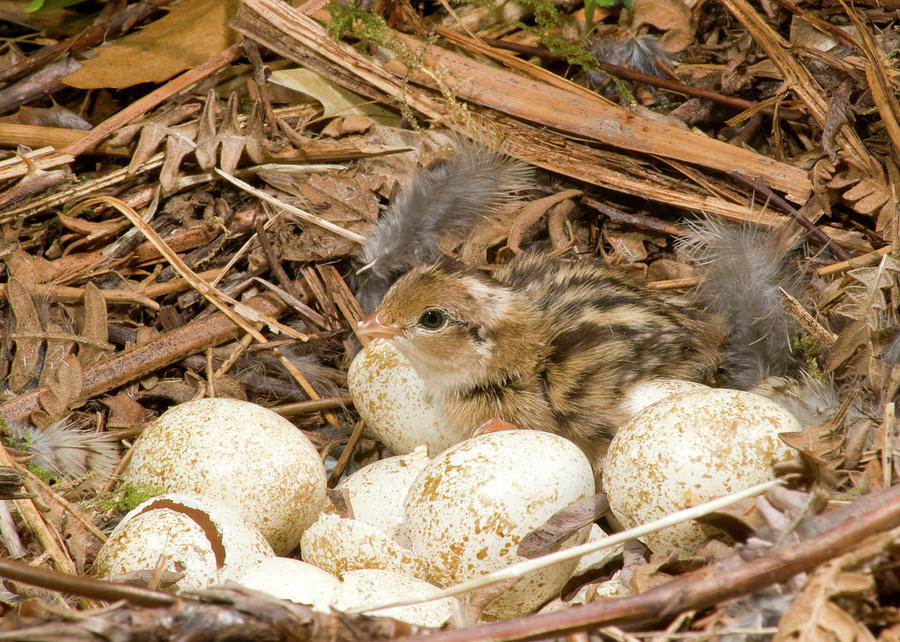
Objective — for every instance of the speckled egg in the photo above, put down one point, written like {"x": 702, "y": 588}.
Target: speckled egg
{"x": 376, "y": 493}
{"x": 337, "y": 545}
{"x": 390, "y": 396}
{"x": 290, "y": 579}
{"x": 645, "y": 393}
{"x": 469, "y": 509}
{"x": 240, "y": 453}
{"x": 197, "y": 536}
{"x": 372, "y": 586}
{"x": 689, "y": 449}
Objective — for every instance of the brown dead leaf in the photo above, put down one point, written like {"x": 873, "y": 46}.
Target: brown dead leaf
{"x": 93, "y": 326}
{"x": 814, "y": 616}
{"x": 27, "y": 336}
{"x": 62, "y": 395}
{"x": 124, "y": 412}
{"x": 192, "y": 32}
{"x": 672, "y": 17}
{"x": 342, "y": 199}
{"x": 820, "y": 449}
{"x": 29, "y": 269}
{"x": 228, "y": 139}
{"x": 353, "y": 124}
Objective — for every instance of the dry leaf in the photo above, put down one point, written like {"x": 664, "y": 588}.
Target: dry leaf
{"x": 62, "y": 394}
{"x": 93, "y": 326}
{"x": 124, "y": 412}
{"x": 192, "y": 32}
{"x": 815, "y": 617}
{"x": 27, "y": 348}
{"x": 672, "y": 17}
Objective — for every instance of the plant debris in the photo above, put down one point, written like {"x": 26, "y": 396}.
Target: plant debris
{"x": 190, "y": 193}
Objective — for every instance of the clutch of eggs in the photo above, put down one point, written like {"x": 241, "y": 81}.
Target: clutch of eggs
{"x": 464, "y": 514}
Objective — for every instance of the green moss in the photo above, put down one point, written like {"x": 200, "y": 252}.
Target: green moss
{"x": 129, "y": 496}
{"x": 810, "y": 348}
{"x": 45, "y": 476}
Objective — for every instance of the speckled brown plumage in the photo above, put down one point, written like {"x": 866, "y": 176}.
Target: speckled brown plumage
{"x": 544, "y": 344}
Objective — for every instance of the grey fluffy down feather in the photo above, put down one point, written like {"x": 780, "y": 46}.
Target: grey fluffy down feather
{"x": 64, "y": 449}
{"x": 740, "y": 277}
{"x": 443, "y": 201}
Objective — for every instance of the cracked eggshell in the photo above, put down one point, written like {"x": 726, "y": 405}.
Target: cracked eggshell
{"x": 198, "y": 536}
{"x": 377, "y": 492}
{"x": 689, "y": 449}
{"x": 646, "y": 393}
{"x": 372, "y": 586}
{"x": 290, "y": 579}
{"x": 471, "y": 506}
{"x": 240, "y": 453}
{"x": 390, "y": 396}
{"x": 338, "y": 545}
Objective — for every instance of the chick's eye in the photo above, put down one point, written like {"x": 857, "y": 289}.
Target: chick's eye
{"x": 432, "y": 319}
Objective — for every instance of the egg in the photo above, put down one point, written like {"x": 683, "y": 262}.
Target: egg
{"x": 337, "y": 545}
{"x": 689, "y": 449}
{"x": 242, "y": 454}
{"x": 471, "y": 506}
{"x": 198, "y": 536}
{"x": 390, "y": 396}
{"x": 371, "y": 586}
{"x": 290, "y": 579}
{"x": 376, "y": 493}
{"x": 645, "y": 393}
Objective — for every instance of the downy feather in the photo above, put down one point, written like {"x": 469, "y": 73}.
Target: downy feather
{"x": 740, "y": 274}
{"x": 64, "y": 449}
{"x": 443, "y": 201}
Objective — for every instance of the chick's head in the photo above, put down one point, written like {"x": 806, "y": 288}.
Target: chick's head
{"x": 448, "y": 321}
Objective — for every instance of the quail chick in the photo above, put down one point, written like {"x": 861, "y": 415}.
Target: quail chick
{"x": 542, "y": 344}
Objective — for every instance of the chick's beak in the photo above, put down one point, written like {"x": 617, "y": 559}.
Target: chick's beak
{"x": 373, "y": 328}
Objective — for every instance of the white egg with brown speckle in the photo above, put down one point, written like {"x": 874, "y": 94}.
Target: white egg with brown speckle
{"x": 370, "y": 587}
{"x": 689, "y": 449}
{"x": 242, "y": 454}
{"x": 471, "y": 506}
{"x": 197, "y": 536}
{"x": 337, "y": 545}
{"x": 377, "y": 492}
{"x": 390, "y": 396}
{"x": 646, "y": 393}
{"x": 290, "y": 579}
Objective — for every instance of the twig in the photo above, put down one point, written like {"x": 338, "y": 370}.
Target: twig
{"x": 84, "y": 586}
{"x": 800, "y": 315}
{"x": 347, "y": 452}
{"x": 762, "y": 189}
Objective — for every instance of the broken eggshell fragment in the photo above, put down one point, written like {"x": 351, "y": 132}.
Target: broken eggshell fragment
{"x": 688, "y": 449}
{"x": 337, "y": 545}
{"x": 390, "y": 396}
{"x": 242, "y": 454}
{"x": 202, "y": 538}
{"x": 471, "y": 506}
